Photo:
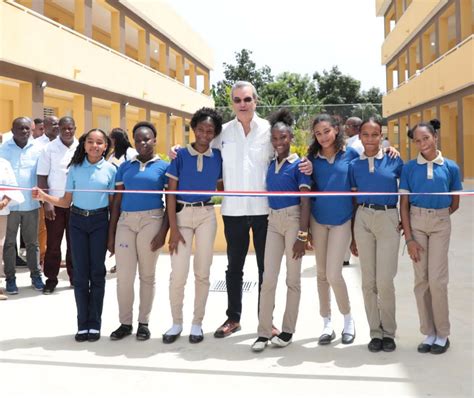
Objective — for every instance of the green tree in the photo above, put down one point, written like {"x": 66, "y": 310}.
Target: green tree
{"x": 243, "y": 69}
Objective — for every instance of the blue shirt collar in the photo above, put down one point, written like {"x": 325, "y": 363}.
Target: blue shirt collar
{"x": 99, "y": 164}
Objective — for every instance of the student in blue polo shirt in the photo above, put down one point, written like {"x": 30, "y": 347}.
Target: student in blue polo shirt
{"x": 88, "y": 224}
{"x": 427, "y": 226}
{"x": 376, "y": 233}
{"x": 196, "y": 167}
{"x": 287, "y": 233}
{"x": 331, "y": 221}
{"x": 140, "y": 231}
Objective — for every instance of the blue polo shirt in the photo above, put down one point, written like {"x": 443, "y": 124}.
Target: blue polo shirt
{"x": 333, "y": 177}
{"x": 23, "y": 161}
{"x": 195, "y": 171}
{"x": 286, "y": 177}
{"x": 383, "y": 178}
{"x": 446, "y": 178}
{"x": 100, "y": 175}
{"x": 135, "y": 175}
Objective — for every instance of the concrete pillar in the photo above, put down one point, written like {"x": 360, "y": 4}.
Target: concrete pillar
{"x": 443, "y": 35}
{"x": 78, "y": 114}
{"x": 178, "y": 131}
{"x": 464, "y": 18}
{"x": 402, "y": 132}
{"x": 389, "y": 76}
{"x": 38, "y": 6}
{"x": 37, "y": 101}
{"x": 162, "y": 139}
{"x": 144, "y": 47}
{"x": 26, "y": 101}
{"x": 412, "y": 60}
{"x": 207, "y": 85}
{"x": 142, "y": 114}
{"x": 402, "y": 66}
{"x": 117, "y": 31}
{"x": 180, "y": 68}
{"x": 83, "y": 17}
{"x": 163, "y": 63}
{"x": 118, "y": 118}
{"x": 468, "y": 135}
{"x": 192, "y": 76}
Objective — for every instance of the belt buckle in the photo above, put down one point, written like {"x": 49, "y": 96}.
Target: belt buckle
{"x": 86, "y": 213}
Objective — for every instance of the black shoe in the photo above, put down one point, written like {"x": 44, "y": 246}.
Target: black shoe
{"x": 346, "y": 263}
{"x": 93, "y": 336}
{"x": 143, "y": 333}
{"x": 196, "y": 338}
{"x": 20, "y": 262}
{"x": 440, "y": 349}
{"x": 170, "y": 338}
{"x": 388, "y": 344}
{"x": 81, "y": 337}
{"x": 121, "y": 332}
{"x": 375, "y": 345}
{"x": 348, "y": 338}
{"x": 49, "y": 287}
{"x": 326, "y": 339}
{"x": 423, "y": 348}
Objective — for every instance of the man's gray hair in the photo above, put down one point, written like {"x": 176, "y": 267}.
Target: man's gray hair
{"x": 242, "y": 83}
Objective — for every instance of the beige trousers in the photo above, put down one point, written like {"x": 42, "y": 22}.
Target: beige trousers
{"x": 432, "y": 230}
{"x": 135, "y": 231}
{"x": 199, "y": 223}
{"x": 283, "y": 227}
{"x": 330, "y": 243}
{"x": 378, "y": 240}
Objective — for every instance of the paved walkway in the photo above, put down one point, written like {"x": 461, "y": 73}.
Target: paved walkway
{"x": 39, "y": 357}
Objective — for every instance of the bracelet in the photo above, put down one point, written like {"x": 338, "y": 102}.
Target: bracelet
{"x": 302, "y": 234}
{"x": 302, "y": 239}
{"x": 409, "y": 240}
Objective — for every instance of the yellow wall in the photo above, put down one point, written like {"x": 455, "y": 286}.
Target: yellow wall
{"x": 409, "y": 23}
{"x": 468, "y": 134}
{"x": 98, "y": 67}
{"x": 453, "y": 72}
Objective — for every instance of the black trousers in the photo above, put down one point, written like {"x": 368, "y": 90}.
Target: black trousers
{"x": 237, "y": 235}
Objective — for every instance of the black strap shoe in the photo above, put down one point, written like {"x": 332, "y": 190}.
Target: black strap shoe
{"x": 121, "y": 332}
{"x": 143, "y": 333}
{"x": 326, "y": 339}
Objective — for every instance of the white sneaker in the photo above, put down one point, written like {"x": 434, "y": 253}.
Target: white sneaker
{"x": 259, "y": 346}
{"x": 279, "y": 342}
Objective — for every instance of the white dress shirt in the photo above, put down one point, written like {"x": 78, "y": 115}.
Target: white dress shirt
{"x": 7, "y": 177}
{"x": 42, "y": 140}
{"x": 245, "y": 164}
{"x": 53, "y": 163}
{"x": 355, "y": 143}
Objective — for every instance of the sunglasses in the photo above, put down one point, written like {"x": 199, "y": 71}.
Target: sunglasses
{"x": 238, "y": 100}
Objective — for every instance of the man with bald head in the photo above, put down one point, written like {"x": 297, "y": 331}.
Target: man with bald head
{"x": 23, "y": 156}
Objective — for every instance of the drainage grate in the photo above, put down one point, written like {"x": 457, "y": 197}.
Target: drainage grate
{"x": 220, "y": 286}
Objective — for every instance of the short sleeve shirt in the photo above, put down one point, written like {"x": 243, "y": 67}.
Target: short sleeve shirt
{"x": 445, "y": 178}
{"x": 196, "y": 172}
{"x": 286, "y": 176}
{"x": 99, "y": 176}
{"x": 135, "y": 175}
{"x": 376, "y": 174}
{"x": 332, "y": 177}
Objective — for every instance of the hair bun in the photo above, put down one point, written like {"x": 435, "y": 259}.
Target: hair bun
{"x": 435, "y": 123}
{"x": 283, "y": 115}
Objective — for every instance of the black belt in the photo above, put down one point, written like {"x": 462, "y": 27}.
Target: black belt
{"x": 87, "y": 213}
{"x": 378, "y": 207}
{"x": 196, "y": 204}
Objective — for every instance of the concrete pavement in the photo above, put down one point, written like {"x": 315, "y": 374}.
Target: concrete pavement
{"x": 39, "y": 357}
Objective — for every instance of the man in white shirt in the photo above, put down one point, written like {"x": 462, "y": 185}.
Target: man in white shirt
{"x": 38, "y": 129}
{"x": 52, "y": 173}
{"x": 351, "y": 129}
{"x": 246, "y": 154}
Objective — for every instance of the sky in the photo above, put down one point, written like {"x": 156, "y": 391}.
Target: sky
{"x": 300, "y": 36}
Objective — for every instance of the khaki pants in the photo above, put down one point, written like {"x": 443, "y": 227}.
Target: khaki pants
{"x": 378, "y": 240}
{"x": 330, "y": 243}
{"x": 283, "y": 227}
{"x": 200, "y": 223}
{"x": 135, "y": 231}
{"x": 432, "y": 230}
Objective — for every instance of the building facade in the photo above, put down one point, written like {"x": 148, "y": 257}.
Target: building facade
{"x": 107, "y": 63}
{"x": 428, "y": 52}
